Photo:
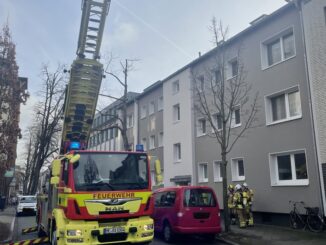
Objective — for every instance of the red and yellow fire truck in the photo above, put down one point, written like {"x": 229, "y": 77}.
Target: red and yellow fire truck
{"x": 94, "y": 197}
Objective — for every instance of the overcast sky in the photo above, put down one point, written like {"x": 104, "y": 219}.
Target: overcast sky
{"x": 164, "y": 35}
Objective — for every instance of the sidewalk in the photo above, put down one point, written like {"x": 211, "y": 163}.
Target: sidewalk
{"x": 273, "y": 235}
{"x": 7, "y": 221}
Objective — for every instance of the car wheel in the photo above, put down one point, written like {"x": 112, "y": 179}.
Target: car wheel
{"x": 167, "y": 233}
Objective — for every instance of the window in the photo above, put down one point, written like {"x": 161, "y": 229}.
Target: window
{"x": 177, "y": 152}
{"x": 217, "y": 120}
{"x": 151, "y": 108}
{"x": 325, "y": 14}
{"x": 130, "y": 121}
{"x": 218, "y": 76}
{"x": 160, "y": 104}
{"x": 201, "y": 83}
{"x": 278, "y": 48}
{"x": 106, "y": 134}
{"x": 201, "y": 129}
{"x": 175, "y": 87}
{"x": 218, "y": 171}
{"x": 198, "y": 198}
{"x": 152, "y": 142}
{"x": 237, "y": 169}
{"x": 165, "y": 199}
{"x": 283, "y": 106}
{"x": 144, "y": 143}
{"x": 236, "y": 117}
{"x": 289, "y": 168}
{"x": 232, "y": 68}
{"x": 176, "y": 112}
{"x": 202, "y": 172}
{"x": 116, "y": 132}
{"x": 160, "y": 139}
{"x": 143, "y": 111}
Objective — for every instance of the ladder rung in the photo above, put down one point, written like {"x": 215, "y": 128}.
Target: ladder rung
{"x": 89, "y": 51}
{"x": 95, "y": 20}
{"x": 91, "y": 44}
{"x": 96, "y": 12}
{"x": 92, "y": 28}
{"x": 92, "y": 37}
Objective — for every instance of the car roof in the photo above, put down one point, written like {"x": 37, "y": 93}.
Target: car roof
{"x": 178, "y": 188}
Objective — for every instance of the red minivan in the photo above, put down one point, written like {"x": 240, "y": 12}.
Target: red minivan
{"x": 186, "y": 210}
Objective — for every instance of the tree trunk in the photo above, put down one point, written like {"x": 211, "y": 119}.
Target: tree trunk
{"x": 226, "y": 212}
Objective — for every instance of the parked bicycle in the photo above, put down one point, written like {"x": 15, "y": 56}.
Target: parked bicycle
{"x": 311, "y": 218}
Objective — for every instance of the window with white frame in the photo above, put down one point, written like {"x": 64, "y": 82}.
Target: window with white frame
{"x": 144, "y": 143}
{"x": 130, "y": 121}
{"x": 217, "y": 120}
{"x": 217, "y": 171}
{"x": 175, "y": 87}
{"x": 289, "y": 168}
{"x": 176, "y": 112}
{"x": 152, "y": 142}
{"x": 160, "y": 139}
{"x": 237, "y": 169}
{"x": 278, "y": 48}
{"x": 160, "y": 103}
{"x": 236, "y": 117}
{"x": 218, "y": 76}
{"x": 233, "y": 67}
{"x": 283, "y": 106}
{"x": 177, "y": 152}
{"x": 143, "y": 111}
{"x": 203, "y": 172}
{"x": 201, "y": 127}
{"x": 151, "y": 107}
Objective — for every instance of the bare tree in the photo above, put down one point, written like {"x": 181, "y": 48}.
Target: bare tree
{"x": 44, "y": 133}
{"x": 223, "y": 96}
{"x": 126, "y": 67}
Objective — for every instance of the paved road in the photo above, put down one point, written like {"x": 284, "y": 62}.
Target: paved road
{"x": 29, "y": 221}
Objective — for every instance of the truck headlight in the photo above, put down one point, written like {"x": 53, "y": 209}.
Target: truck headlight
{"x": 74, "y": 233}
{"x": 148, "y": 227}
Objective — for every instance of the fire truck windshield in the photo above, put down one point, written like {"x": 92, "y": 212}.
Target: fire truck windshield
{"x": 111, "y": 171}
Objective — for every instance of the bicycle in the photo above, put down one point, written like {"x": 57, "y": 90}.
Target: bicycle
{"x": 312, "y": 218}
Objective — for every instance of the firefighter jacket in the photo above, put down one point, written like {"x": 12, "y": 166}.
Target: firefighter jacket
{"x": 240, "y": 200}
{"x": 230, "y": 200}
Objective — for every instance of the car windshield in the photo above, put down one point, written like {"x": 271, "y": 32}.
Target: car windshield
{"x": 27, "y": 200}
{"x": 111, "y": 171}
{"x": 198, "y": 198}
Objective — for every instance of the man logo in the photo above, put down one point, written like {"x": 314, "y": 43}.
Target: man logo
{"x": 114, "y": 209}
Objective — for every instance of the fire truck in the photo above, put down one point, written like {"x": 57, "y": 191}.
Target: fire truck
{"x": 93, "y": 197}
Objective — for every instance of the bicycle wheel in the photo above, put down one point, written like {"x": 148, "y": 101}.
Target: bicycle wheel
{"x": 296, "y": 221}
{"x": 315, "y": 223}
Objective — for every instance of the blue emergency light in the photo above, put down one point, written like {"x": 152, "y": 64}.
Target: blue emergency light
{"x": 139, "y": 147}
{"x": 74, "y": 145}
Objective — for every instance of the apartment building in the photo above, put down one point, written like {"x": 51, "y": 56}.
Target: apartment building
{"x": 283, "y": 158}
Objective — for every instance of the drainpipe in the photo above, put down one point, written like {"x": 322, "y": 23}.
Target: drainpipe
{"x": 298, "y": 4}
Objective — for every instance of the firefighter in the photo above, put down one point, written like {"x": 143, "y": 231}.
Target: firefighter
{"x": 248, "y": 209}
{"x": 240, "y": 201}
{"x": 230, "y": 204}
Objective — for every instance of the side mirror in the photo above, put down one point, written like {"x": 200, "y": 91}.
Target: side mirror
{"x": 54, "y": 180}
{"x": 75, "y": 158}
{"x": 56, "y": 167}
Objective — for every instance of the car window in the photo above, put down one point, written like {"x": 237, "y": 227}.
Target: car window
{"x": 27, "y": 200}
{"x": 199, "y": 198}
{"x": 165, "y": 199}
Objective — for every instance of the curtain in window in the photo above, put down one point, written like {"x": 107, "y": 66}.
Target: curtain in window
{"x": 278, "y": 107}
{"x": 288, "y": 45}
{"x": 274, "y": 52}
{"x": 294, "y": 104}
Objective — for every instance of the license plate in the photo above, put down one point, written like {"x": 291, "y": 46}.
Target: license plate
{"x": 112, "y": 230}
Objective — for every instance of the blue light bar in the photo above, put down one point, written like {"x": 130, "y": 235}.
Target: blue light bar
{"x": 139, "y": 148}
{"x": 74, "y": 145}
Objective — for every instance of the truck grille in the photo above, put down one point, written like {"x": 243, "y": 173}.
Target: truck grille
{"x": 201, "y": 215}
{"x": 112, "y": 237}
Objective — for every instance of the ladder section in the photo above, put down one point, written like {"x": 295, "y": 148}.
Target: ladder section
{"x": 92, "y": 27}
